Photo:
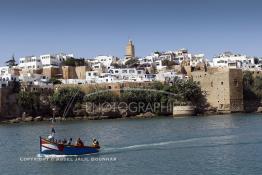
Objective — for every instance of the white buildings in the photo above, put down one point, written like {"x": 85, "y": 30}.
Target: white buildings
{"x": 196, "y": 59}
{"x": 54, "y": 60}
{"x": 30, "y": 62}
{"x": 230, "y": 60}
{"x": 6, "y": 76}
{"x": 44, "y": 61}
{"x": 92, "y": 76}
{"x": 106, "y": 60}
{"x": 119, "y": 75}
{"x": 31, "y": 77}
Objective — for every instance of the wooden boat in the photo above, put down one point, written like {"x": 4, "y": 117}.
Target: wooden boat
{"x": 53, "y": 148}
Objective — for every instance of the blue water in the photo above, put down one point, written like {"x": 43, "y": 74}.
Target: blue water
{"x": 229, "y": 144}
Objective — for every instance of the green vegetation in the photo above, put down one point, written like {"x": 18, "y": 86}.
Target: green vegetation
{"x": 29, "y": 101}
{"x": 132, "y": 62}
{"x": 68, "y": 101}
{"x": 74, "y": 62}
{"x": 252, "y": 87}
{"x": 169, "y": 64}
{"x": 180, "y": 93}
{"x": 65, "y": 99}
{"x": 153, "y": 69}
{"x": 54, "y": 81}
{"x": 10, "y": 63}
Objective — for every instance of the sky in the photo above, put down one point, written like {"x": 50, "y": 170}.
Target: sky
{"x": 88, "y": 28}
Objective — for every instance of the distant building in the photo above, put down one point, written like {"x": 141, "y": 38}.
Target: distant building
{"x": 230, "y": 60}
{"x": 130, "y": 50}
{"x": 106, "y": 60}
{"x": 167, "y": 76}
{"x": 223, "y": 88}
{"x": 30, "y": 63}
{"x": 54, "y": 60}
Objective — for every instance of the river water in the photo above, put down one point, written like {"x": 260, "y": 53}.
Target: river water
{"x": 228, "y": 144}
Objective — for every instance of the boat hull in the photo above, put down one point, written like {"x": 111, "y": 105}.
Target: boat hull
{"x": 48, "y": 147}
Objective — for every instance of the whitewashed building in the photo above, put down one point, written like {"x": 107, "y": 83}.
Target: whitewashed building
{"x": 230, "y": 60}
{"x": 196, "y": 59}
{"x": 167, "y": 76}
{"x": 54, "y": 60}
{"x": 106, "y": 60}
{"x": 30, "y": 63}
{"x": 47, "y": 60}
{"x": 92, "y": 76}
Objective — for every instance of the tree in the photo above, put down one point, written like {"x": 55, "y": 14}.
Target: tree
{"x": 10, "y": 63}
{"x": 54, "y": 81}
{"x": 64, "y": 99}
{"x": 29, "y": 101}
{"x": 153, "y": 69}
{"x": 257, "y": 88}
{"x": 74, "y": 62}
{"x": 132, "y": 62}
{"x": 116, "y": 65}
{"x": 247, "y": 79}
{"x": 169, "y": 64}
{"x": 16, "y": 86}
{"x": 251, "y": 86}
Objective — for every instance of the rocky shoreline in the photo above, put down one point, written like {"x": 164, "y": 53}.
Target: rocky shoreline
{"x": 145, "y": 115}
{"x": 41, "y": 118}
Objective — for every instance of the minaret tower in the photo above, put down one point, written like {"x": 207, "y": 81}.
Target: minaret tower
{"x": 130, "y": 50}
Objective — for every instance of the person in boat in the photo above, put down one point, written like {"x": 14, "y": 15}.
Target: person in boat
{"x": 95, "y": 142}
{"x": 64, "y": 141}
{"x": 70, "y": 141}
{"x": 79, "y": 142}
{"x": 51, "y": 137}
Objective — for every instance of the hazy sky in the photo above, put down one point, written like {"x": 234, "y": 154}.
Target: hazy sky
{"x": 91, "y": 27}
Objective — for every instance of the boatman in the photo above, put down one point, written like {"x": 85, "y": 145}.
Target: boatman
{"x": 51, "y": 137}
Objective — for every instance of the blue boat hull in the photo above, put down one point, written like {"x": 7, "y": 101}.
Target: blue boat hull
{"x": 48, "y": 147}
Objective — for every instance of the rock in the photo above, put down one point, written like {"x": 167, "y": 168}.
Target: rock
{"x": 46, "y": 119}
{"x": 148, "y": 115}
{"x": 259, "y": 109}
{"x": 58, "y": 118}
{"x": 14, "y": 121}
{"x": 38, "y": 118}
{"x": 104, "y": 117}
{"x": 93, "y": 117}
{"x": 28, "y": 119}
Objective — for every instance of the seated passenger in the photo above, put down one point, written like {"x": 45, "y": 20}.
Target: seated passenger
{"x": 64, "y": 141}
{"x": 95, "y": 143}
{"x": 70, "y": 141}
{"x": 79, "y": 142}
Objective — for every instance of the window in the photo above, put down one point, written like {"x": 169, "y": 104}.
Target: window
{"x": 222, "y": 82}
{"x": 235, "y": 83}
{"x": 211, "y": 83}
